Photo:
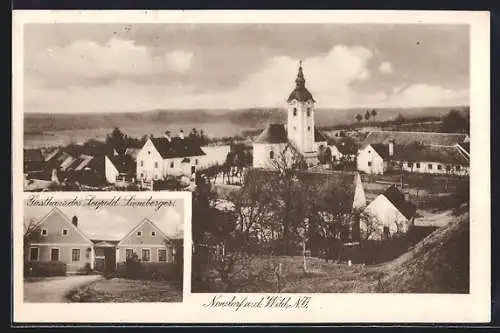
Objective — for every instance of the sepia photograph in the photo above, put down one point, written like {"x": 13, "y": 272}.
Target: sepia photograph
{"x": 328, "y": 157}
{"x": 92, "y": 249}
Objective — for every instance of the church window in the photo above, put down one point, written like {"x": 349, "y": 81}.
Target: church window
{"x": 271, "y": 154}
{"x": 156, "y": 164}
{"x": 294, "y": 112}
{"x": 308, "y": 112}
{"x": 294, "y": 128}
{"x": 308, "y": 128}
{"x": 142, "y": 163}
{"x": 172, "y": 164}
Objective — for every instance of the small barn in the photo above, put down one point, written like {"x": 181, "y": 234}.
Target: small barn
{"x": 388, "y": 214}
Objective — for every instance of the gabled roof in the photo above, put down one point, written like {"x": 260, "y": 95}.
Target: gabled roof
{"x": 381, "y": 149}
{"x": 425, "y": 138}
{"x": 442, "y": 154}
{"x": 273, "y": 133}
{"x": 57, "y": 211}
{"x": 143, "y": 221}
{"x": 339, "y": 184}
{"x": 123, "y": 163}
{"x": 81, "y": 162}
{"x": 33, "y": 155}
{"x": 465, "y": 147}
{"x": 394, "y": 195}
{"x": 177, "y": 147}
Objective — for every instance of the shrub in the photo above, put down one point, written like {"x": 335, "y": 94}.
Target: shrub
{"x": 44, "y": 268}
{"x": 135, "y": 269}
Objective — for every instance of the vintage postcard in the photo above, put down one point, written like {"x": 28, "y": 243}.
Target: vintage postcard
{"x": 251, "y": 166}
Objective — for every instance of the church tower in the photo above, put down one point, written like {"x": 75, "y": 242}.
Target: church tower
{"x": 300, "y": 123}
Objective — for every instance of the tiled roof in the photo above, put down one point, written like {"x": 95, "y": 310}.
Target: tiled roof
{"x": 425, "y": 138}
{"x": 381, "y": 149}
{"x": 81, "y": 162}
{"x": 442, "y": 154}
{"x": 397, "y": 198}
{"x": 123, "y": 163}
{"x": 273, "y": 133}
{"x": 340, "y": 184}
{"x": 177, "y": 147}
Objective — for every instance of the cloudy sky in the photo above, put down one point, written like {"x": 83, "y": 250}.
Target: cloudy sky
{"x": 110, "y": 67}
{"x": 113, "y": 223}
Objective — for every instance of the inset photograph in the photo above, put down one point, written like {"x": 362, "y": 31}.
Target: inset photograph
{"x": 87, "y": 249}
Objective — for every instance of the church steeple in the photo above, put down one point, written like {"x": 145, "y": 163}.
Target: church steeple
{"x": 300, "y": 93}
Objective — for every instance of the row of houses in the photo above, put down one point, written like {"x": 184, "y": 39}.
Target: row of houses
{"x": 420, "y": 152}
{"x": 56, "y": 237}
{"x": 159, "y": 158}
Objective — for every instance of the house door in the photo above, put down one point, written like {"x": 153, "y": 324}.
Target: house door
{"x": 109, "y": 260}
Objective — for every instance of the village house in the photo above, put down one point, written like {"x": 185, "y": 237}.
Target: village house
{"x": 33, "y": 160}
{"x": 388, "y": 214}
{"x": 299, "y": 133}
{"x": 59, "y": 238}
{"x": 420, "y": 152}
{"x": 119, "y": 167}
{"x": 168, "y": 156}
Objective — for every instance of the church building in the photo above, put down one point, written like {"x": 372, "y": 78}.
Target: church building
{"x": 298, "y": 136}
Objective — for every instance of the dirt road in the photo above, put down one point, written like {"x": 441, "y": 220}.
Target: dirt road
{"x": 54, "y": 289}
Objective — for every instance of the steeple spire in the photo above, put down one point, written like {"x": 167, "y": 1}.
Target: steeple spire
{"x": 300, "y": 93}
{"x": 300, "y": 80}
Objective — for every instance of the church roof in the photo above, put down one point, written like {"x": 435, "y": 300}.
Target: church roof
{"x": 273, "y": 133}
{"x": 300, "y": 93}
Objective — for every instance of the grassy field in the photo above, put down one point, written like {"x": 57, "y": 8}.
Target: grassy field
{"x": 126, "y": 291}
{"x": 437, "y": 264}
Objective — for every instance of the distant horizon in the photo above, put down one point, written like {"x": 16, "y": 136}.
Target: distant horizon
{"x": 457, "y": 106}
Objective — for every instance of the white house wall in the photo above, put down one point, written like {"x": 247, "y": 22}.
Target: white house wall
{"x": 437, "y": 168}
{"x": 146, "y": 159}
{"x": 110, "y": 171}
{"x": 261, "y": 154}
{"x": 369, "y": 161}
{"x": 384, "y": 214}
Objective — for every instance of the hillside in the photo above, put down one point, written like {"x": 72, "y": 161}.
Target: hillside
{"x": 244, "y": 118}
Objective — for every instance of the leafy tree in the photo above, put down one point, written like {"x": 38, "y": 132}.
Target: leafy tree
{"x": 374, "y": 114}
{"x": 359, "y": 117}
{"x": 454, "y": 122}
{"x": 367, "y": 115}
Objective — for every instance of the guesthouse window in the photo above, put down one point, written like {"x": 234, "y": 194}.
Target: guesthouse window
{"x": 162, "y": 255}
{"x": 172, "y": 164}
{"x": 139, "y": 233}
{"x": 271, "y": 154}
{"x": 65, "y": 232}
{"x": 34, "y": 254}
{"x": 369, "y": 163}
{"x": 142, "y": 175}
{"x": 146, "y": 255}
{"x": 429, "y": 166}
{"x": 440, "y": 167}
{"x": 153, "y": 233}
{"x": 294, "y": 112}
{"x": 75, "y": 255}
{"x": 44, "y": 232}
{"x": 149, "y": 152}
{"x": 54, "y": 254}
{"x": 417, "y": 165}
{"x": 410, "y": 164}
{"x": 129, "y": 253}
{"x": 196, "y": 161}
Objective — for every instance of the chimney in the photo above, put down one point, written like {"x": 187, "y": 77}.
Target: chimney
{"x": 75, "y": 221}
{"x": 181, "y": 134}
{"x": 391, "y": 147}
{"x": 167, "y": 136}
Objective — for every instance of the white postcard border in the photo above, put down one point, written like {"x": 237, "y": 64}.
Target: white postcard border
{"x": 340, "y": 308}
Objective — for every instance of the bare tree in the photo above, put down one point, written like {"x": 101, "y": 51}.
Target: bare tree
{"x": 31, "y": 234}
